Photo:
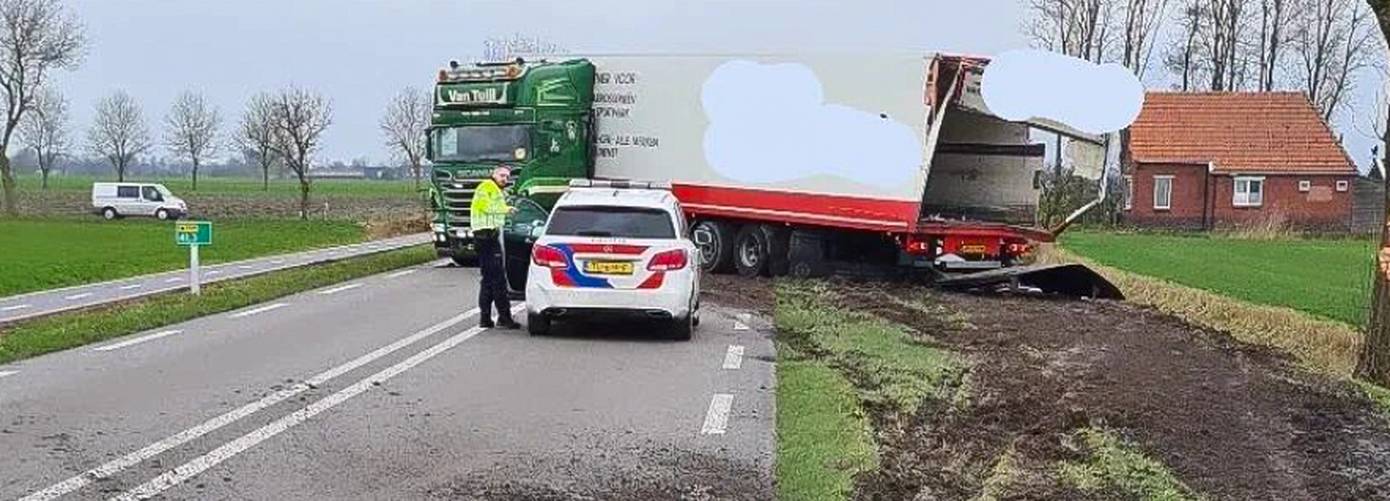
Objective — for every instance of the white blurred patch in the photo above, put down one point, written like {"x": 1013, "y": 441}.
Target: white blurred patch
{"x": 1031, "y": 84}
{"x": 770, "y": 123}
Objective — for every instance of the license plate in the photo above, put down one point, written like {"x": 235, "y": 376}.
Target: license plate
{"x": 608, "y": 267}
{"x": 972, "y": 249}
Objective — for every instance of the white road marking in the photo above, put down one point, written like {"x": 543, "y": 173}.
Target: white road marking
{"x": 117, "y": 465}
{"x": 213, "y": 272}
{"x": 278, "y": 261}
{"x": 340, "y": 288}
{"x": 400, "y": 274}
{"x": 131, "y": 286}
{"x": 255, "y": 311}
{"x": 75, "y": 297}
{"x": 8, "y": 373}
{"x": 14, "y": 307}
{"x": 245, "y": 266}
{"x": 742, "y": 323}
{"x": 231, "y": 449}
{"x": 138, "y": 340}
{"x": 718, "y": 416}
{"x": 173, "y": 279}
{"x": 733, "y": 359}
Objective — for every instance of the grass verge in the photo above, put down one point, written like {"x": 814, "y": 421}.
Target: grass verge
{"x": 69, "y": 330}
{"x": 46, "y": 253}
{"x": 1319, "y": 344}
{"x": 1329, "y": 278}
{"x": 822, "y": 434}
{"x": 1116, "y": 468}
{"x": 833, "y": 367}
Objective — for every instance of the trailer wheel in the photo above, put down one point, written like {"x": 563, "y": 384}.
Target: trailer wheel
{"x": 751, "y": 251}
{"x": 715, "y": 241}
{"x": 806, "y": 255}
{"x": 778, "y": 250}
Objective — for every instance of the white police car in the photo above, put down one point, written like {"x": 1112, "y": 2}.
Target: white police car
{"x": 614, "y": 248}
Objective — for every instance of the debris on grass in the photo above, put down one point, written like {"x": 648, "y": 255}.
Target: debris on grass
{"x": 1116, "y": 469}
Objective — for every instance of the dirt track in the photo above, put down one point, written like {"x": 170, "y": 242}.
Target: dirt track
{"x": 1232, "y": 421}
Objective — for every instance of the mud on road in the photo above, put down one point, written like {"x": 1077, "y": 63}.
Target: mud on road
{"x": 1231, "y": 421}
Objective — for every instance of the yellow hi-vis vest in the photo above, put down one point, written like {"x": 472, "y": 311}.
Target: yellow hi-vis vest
{"x": 489, "y": 208}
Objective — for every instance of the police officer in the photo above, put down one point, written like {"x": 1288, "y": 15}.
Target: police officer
{"x": 486, "y": 215}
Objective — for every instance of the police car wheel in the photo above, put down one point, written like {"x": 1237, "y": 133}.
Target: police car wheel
{"x": 537, "y": 325}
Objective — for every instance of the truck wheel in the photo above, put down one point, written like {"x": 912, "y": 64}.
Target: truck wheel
{"x": 806, "y": 256}
{"x": 715, "y": 240}
{"x": 109, "y": 213}
{"x": 751, "y": 251}
{"x": 537, "y": 324}
{"x": 778, "y": 243}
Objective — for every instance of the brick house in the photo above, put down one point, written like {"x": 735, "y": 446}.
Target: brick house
{"x": 1214, "y": 160}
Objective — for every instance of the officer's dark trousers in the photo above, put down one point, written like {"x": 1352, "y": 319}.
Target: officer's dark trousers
{"x": 494, "y": 287}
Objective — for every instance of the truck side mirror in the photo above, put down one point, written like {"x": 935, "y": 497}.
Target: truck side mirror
{"x": 429, "y": 145}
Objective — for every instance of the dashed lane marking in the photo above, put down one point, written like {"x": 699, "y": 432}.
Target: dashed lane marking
{"x": 130, "y": 286}
{"x": 75, "y": 297}
{"x": 717, "y": 418}
{"x": 257, "y": 311}
{"x": 402, "y": 273}
{"x": 8, "y": 373}
{"x": 138, "y": 340}
{"x": 340, "y": 288}
{"x": 733, "y": 359}
{"x": 15, "y": 307}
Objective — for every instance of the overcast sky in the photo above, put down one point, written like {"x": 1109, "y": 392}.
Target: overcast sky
{"x": 360, "y": 52}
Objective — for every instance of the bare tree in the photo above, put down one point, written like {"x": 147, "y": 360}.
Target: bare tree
{"x": 1077, "y": 28}
{"x": 255, "y": 133}
{"x": 1334, "y": 40}
{"x": 299, "y": 118}
{"x": 1143, "y": 20}
{"x": 1373, "y": 363}
{"x": 1275, "y": 33}
{"x": 1181, "y": 57}
{"x": 1221, "y": 41}
{"x": 190, "y": 129}
{"x": 404, "y": 123}
{"x": 37, "y": 37}
{"x": 118, "y": 132}
{"x": 46, "y": 130}
{"x": 505, "y": 48}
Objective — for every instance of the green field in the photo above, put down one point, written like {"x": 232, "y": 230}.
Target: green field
{"x": 234, "y": 186}
{"x": 42, "y": 254}
{"x": 1329, "y": 278}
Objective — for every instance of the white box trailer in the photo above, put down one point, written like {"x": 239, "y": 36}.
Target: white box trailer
{"x": 785, "y": 161}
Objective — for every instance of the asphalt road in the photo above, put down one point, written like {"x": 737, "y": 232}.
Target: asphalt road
{"x": 36, "y": 304}
{"x": 383, "y": 388}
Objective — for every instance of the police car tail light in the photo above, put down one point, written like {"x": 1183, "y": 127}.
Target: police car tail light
{"x": 669, "y": 261}
{"x": 549, "y": 257}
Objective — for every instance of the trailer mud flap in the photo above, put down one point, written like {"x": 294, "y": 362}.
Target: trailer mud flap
{"x": 1063, "y": 279}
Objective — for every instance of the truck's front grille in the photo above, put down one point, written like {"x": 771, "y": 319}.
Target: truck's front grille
{"x": 458, "y": 197}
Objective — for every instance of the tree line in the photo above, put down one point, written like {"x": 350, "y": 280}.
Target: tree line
{"x": 1314, "y": 46}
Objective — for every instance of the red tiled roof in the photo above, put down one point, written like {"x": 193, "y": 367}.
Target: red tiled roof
{"x": 1266, "y": 132}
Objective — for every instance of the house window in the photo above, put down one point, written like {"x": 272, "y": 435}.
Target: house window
{"x": 1163, "y": 192}
{"x": 1305, "y": 185}
{"x": 1342, "y": 186}
{"x": 1129, "y": 192}
{"x": 1249, "y": 192}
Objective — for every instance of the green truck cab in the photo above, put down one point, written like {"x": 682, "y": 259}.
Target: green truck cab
{"x": 534, "y": 118}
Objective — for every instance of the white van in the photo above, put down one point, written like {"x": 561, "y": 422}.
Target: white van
{"x": 113, "y": 200}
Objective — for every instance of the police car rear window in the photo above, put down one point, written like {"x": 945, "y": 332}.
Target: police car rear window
{"x": 615, "y": 222}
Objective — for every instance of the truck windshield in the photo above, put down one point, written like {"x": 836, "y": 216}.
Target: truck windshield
{"x": 482, "y": 142}
{"x": 616, "y": 222}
